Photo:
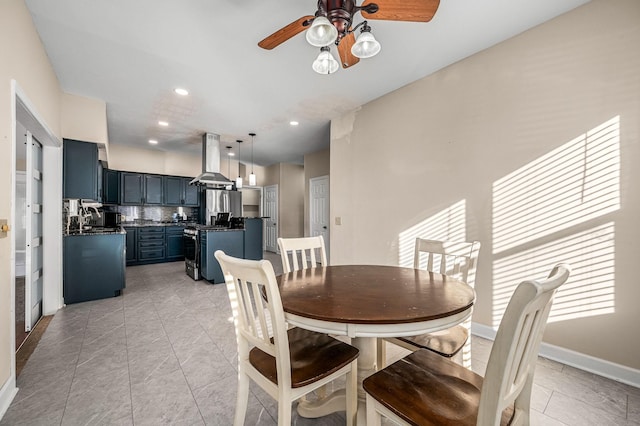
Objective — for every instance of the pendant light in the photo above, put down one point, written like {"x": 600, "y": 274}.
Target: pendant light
{"x": 229, "y": 155}
{"x": 252, "y": 176}
{"x": 239, "y": 179}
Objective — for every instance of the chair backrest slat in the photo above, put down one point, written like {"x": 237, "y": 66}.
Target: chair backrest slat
{"x": 257, "y": 310}
{"x": 302, "y": 253}
{"x": 456, "y": 259}
{"x": 509, "y": 375}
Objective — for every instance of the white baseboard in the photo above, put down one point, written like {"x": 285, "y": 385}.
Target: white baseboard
{"x": 7, "y": 393}
{"x": 601, "y": 367}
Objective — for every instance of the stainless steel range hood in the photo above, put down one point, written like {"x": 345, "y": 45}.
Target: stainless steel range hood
{"x": 211, "y": 175}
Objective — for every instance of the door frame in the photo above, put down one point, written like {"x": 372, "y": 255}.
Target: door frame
{"x": 24, "y": 111}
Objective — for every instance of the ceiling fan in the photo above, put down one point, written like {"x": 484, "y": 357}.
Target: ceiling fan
{"x": 333, "y": 24}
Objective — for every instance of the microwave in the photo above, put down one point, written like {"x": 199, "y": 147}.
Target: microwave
{"x": 106, "y": 219}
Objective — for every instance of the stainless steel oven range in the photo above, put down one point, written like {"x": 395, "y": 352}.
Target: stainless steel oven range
{"x": 191, "y": 237}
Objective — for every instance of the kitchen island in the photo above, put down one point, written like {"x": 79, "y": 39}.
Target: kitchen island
{"x": 94, "y": 265}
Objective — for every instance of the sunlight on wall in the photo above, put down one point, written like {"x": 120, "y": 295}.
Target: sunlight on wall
{"x": 572, "y": 184}
{"x": 449, "y": 225}
{"x": 565, "y": 188}
{"x": 589, "y": 290}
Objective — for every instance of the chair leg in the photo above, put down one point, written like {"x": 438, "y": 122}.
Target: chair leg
{"x": 284, "y": 411}
{"x": 352, "y": 394}
{"x": 381, "y": 353}
{"x": 373, "y": 417}
{"x": 242, "y": 399}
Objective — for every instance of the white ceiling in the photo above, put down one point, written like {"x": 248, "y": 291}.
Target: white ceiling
{"x": 132, "y": 54}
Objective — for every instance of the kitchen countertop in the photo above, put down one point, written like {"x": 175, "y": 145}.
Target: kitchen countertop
{"x": 96, "y": 231}
{"x": 141, "y": 224}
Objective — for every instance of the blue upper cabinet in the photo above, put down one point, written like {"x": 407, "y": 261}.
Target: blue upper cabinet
{"x": 132, "y": 191}
{"x": 153, "y": 193}
{"x": 139, "y": 188}
{"x": 80, "y": 170}
{"x": 178, "y": 192}
{"x": 110, "y": 186}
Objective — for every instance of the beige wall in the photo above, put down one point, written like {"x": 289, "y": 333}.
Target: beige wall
{"x": 446, "y": 139}
{"x": 315, "y": 165}
{"x": 84, "y": 119}
{"x": 23, "y": 59}
{"x": 290, "y": 181}
{"x": 152, "y": 161}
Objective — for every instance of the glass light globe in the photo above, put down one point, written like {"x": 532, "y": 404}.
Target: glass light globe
{"x": 325, "y": 63}
{"x": 365, "y": 46}
{"x": 322, "y": 32}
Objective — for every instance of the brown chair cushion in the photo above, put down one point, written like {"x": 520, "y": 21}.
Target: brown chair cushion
{"x": 313, "y": 357}
{"x": 426, "y": 389}
{"x": 446, "y": 342}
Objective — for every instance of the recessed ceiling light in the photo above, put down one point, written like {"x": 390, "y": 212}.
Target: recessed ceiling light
{"x": 181, "y": 91}
{"x": 153, "y": 142}
{"x": 293, "y": 123}
{"x": 163, "y": 123}
{"x": 231, "y": 154}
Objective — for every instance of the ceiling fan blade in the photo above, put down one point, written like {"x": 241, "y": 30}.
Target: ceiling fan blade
{"x": 285, "y": 33}
{"x": 344, "y": 49}
{"x": 402, "y": 10}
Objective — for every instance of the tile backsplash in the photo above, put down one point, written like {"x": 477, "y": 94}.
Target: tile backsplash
{"x": 154, "y": 213}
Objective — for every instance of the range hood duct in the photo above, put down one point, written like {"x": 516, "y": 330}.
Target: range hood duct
{"x": 211, "y": 175}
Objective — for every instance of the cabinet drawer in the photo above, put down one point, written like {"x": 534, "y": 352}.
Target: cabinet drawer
{"x": 150, "y": 253}
{"x": 150, "y": 243}
{"x": 150, "y": 237}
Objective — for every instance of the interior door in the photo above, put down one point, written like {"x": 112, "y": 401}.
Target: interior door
{"x": 33, "y": 254}
{"x": 319, "y": 208}
{"x": 271, "y": 224}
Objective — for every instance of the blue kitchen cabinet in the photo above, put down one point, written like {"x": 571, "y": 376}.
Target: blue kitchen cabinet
{"x": 253, "y": 238}
{"x": 230, "y": 241}
{"x": 110, "y": 186}
{"x": 151, "y": 244}
{"x": 178, "y": 192}
{"x": 174, "y": 243}
{"x": 153, "y": 193}
{"x": 141, "y": 189}
{"x": 132, "y": 189}
{"x": 80, "y": 169}
{"x": 132, "y": 245}
{"x": 93, "y": 267}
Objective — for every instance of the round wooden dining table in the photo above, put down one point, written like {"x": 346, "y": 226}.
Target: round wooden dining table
{"x": 365, "y": 302}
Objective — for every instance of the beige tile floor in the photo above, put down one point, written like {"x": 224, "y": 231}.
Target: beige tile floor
{"x": 164, "y": 353}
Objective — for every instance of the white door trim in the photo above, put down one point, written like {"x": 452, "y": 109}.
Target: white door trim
{"x": 23, "y": 110}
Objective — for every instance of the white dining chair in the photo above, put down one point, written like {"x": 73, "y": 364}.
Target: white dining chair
{"x": 302, "y": 253}
{"x": 426, "y": 389}
{"x": 458, "y": 260}
{"x": 286, "y": 363}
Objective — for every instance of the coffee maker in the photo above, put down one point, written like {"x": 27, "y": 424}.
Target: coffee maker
{"x": 72, "y": 209}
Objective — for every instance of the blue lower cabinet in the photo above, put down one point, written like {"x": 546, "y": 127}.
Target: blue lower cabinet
{"x": 174, "y": 243}
{"x": 151, "y": 247}
{"x": 231, "y": 242}
{"x": 132, "y": 245}
{"x": 93, "y": 267}
{"x": 253, "y": 238}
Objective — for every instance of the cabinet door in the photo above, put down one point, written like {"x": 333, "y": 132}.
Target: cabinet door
{"x": 173, "y": 191}
{"x": 132, "y": 255}
{"x": 110, "y": 186}
{"x": 153, "y": 189}
{"x": 191, "y": 194}
{"x": 132, "y": 189}
{"x": 80, "y": 170}
{"x": 175, "y": 243}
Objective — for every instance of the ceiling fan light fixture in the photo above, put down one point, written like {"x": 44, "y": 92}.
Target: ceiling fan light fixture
{"x": 321, "y": 33}
{"x": 325, "y": 63}
{"x": 366, "y": 45}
